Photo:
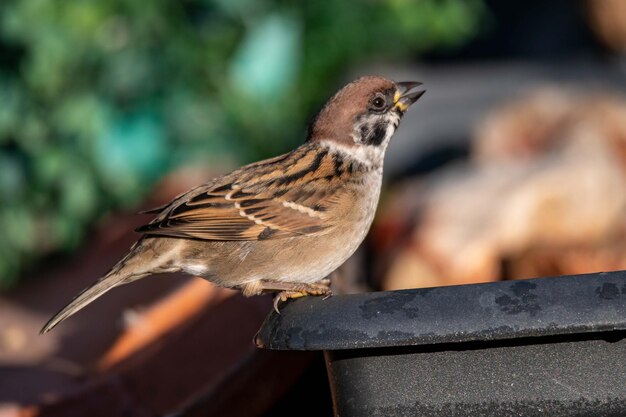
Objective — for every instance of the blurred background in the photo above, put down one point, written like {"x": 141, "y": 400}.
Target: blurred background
{"x": 513, "y": 165}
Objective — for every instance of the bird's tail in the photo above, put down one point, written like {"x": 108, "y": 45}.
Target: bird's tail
{"x": 123, "y": 272}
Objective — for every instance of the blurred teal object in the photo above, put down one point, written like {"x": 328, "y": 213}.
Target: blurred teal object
{"x": 266, "y": 63}
{"x": 101, "y": 99}
{"x": 131, "y": 154}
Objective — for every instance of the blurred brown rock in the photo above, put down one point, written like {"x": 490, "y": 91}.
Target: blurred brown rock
{"x": 544, "y": 194}
{"x": 608, "y": 21}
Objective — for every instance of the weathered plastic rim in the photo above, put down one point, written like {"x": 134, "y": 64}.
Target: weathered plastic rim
{"x": 477, "y": 312}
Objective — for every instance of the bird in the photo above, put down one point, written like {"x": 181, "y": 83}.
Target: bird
{"x": 281, "y": 225}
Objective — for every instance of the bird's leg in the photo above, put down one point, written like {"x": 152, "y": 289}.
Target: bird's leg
{"x": 295, "y": 289}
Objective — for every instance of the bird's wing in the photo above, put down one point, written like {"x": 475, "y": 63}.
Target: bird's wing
{"x": 281, "y": 197}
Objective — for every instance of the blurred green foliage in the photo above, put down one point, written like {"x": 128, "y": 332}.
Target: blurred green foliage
{"x": 99, "y": 99}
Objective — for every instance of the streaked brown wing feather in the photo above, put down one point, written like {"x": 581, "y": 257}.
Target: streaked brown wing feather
{"x": 281, "y": 197}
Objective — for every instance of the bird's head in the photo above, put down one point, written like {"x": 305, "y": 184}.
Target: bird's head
{"x": 365, "y": 113}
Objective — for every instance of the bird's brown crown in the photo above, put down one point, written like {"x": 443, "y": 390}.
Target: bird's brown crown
{"x": 336, "y": 120}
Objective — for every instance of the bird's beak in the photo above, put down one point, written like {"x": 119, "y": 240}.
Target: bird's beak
{"x": 407, "y": 95}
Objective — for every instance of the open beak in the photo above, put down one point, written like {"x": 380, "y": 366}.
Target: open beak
{"x": 407, "y": 94}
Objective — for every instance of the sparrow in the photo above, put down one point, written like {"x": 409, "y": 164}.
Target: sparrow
{"x": 279, "y": 225}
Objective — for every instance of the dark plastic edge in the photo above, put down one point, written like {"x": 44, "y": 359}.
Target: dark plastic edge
{"x": 493, "y": 311}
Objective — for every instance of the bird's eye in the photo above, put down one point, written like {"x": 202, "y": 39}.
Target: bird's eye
{"x": 378, "y": 103}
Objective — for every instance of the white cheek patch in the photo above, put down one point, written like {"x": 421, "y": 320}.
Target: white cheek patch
{"x": 370, "y": 155}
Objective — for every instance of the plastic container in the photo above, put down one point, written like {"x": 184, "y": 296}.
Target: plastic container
{"x": 541, "y": 347}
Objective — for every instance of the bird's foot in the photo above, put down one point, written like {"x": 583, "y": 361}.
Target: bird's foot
{"x": 298, "y": 290}
{"x": 286, "y": 295}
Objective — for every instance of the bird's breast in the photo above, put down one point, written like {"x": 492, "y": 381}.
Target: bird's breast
{"x": 366, "y": 195}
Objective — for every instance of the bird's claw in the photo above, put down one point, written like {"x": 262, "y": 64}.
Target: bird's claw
{"x": 286, "y": 295}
